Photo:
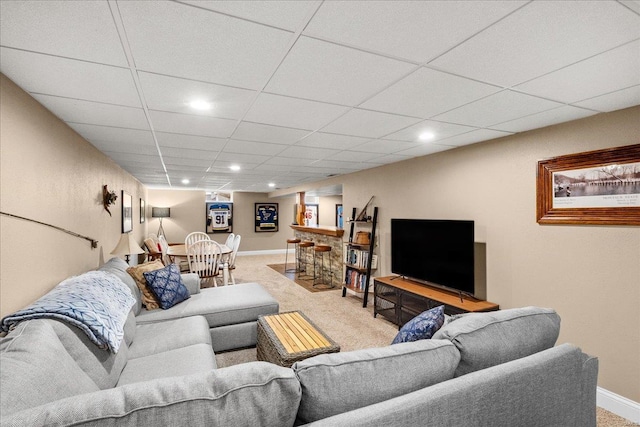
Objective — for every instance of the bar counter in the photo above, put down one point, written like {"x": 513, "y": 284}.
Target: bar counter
{"x": 324, "y": 235}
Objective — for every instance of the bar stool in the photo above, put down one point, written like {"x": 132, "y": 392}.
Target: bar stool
{"x": 293, "y": 242}
{"x": 303, "y": 248}
{"x": 319, "y": 251}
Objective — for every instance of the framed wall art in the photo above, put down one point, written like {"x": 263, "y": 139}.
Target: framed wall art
{"x": 595, "y": 187}
{"x": 219, "y": 217}
{"x": 311, "y": 215}
{"x": 339, "y": 220}
{"x": 143, "y": 211}
{"x": 266, "y": 217}
{"x": 127, "y": 212}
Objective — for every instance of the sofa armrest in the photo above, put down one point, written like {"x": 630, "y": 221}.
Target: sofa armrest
{"x": 192, "y": 282}
{"x": 236, "y": 396}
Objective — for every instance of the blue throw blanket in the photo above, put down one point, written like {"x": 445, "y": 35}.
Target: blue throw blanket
{"x": 97, "y": 302}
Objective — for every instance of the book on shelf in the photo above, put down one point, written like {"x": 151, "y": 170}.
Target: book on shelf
{"x": 355, "y": 279}
{"x": 359, "y": 258}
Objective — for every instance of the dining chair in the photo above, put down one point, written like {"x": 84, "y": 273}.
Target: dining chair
{"x": 153, "y": 251}
{"x": 229, "y": 242}
{"x": 164, "y": 245}
{"x": 194, "y": 237}
{"x": 232, "y": 257}
{"x": 203, "y": 257}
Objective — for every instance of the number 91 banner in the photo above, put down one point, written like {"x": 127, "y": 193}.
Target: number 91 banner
{"x": 266, "y": 217}
{"x": 219, "y": 217}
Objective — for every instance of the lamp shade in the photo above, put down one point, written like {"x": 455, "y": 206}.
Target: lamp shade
{"x": 161, "y": 212}
{"x": 127, "y": 246}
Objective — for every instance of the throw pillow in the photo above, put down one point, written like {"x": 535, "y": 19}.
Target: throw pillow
{"x": 166, "y": 284}
{"x": 421, "y": 327}
{"x": 137, "y": 272}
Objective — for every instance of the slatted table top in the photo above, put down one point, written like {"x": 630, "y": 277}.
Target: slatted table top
{"x": 287, "y": 337}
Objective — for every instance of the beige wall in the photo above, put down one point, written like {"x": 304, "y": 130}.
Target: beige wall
{"x": 327, "y": 209}
{"x": 188, "y": 213}
{"x": 50, "y": 174}
{"x": 589, "y": 274}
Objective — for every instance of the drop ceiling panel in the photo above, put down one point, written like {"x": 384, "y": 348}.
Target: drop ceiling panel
{"x": 173, "y": 94}
{"x": 82, "y": 30}
{"x": 125, "y": 147}
{"x": 613, "y": 101}
{"x": 323, "y": 71}
{"x": 427, "y": 92}
{"x": 558, "y": 33}
{"x": 299, "y": 152}
{"x": 424, "y": 149}
{"x": 440, "y": 130}
{"x": 349, "y": 157}
{"x": 383, "y": 146}
{"x": 183, "y": 161}
{"x": 289, "y": 15}
{"x": 473, "y": 137}
{"x": 188, "y": 153}
{"x": 191, "y": 125}
{"x": 546, "y": 118}
{"x": 52, "y": 75}
{"x": 252, "y": 147}
{"x": 496, "y": 108}
{"x": 190, "y": 141}
{"x": 390, "y": 158}
{"x": 610, "y": 71}
{"x": 288, "y": 161}
{"x": 201, "y": 45}
{"x": 415, "y": 30}
{"x": 243, "y": 159}
{"x": 113, "y": 134}
{"x": 332, "y": 141}
{"x": 266, "y": 133}
{"x": 370, "y": 124}
{"x": 95, "y": 113}
{"x": 292, "y": 112}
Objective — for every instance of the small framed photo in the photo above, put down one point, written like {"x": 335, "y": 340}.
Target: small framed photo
{"x": 143, "y": 211}
{"x": 266, "y": 217}
{"x": 219, "y": 217}
{"x": 127, "y": 212}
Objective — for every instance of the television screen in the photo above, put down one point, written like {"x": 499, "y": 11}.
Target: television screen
{"x": 439, "y": 252}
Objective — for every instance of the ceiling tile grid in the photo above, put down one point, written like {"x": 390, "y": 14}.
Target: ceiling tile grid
{"x": 294, "y": 92}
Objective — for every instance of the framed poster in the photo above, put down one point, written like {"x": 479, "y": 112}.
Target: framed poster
{"x": 266, "y": 217}
{"x": 595, "y": 187}
{"x": 219, "y": 217}
{"x": 339, "y": 221}
{"x": 311, "y": 215}
{"x": 143, "y": 211}
{"x": 127, "y": 212}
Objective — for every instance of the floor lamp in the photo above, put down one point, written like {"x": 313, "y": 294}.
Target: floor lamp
{"x": 161, "y": 213}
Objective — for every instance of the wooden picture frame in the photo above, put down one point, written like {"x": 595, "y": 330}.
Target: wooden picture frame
{"x": 266, "y": 217}
{"x": 594, "y": 187}
{"x": 143, "y": 211}
{"x": 219, "y": 217}
{"x": 127, "y": 212}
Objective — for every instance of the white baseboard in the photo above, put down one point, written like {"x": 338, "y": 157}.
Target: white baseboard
{"x": 619, "y": 405}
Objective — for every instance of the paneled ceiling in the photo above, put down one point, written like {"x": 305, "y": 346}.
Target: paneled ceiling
{"x": 301, "y": 90}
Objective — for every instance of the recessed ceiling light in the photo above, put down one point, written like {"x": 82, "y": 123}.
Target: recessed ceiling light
{"x": 426, "y": 136}
{"x": 185, "y": 181}
{"x": 272, "y": 184}
{"x": 234, "y": 167}
{"x": 200, "y": 104}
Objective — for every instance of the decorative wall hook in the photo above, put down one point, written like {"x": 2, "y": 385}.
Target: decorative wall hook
{"x": 108, "y": 198}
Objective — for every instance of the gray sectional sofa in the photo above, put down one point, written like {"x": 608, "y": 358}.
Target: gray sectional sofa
{"x": 489, "y": 369}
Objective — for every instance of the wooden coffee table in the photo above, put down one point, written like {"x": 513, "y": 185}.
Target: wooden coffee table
{"x": 285, "y": 338}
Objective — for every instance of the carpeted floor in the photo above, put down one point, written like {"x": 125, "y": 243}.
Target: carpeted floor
{"x": 343, "y": 319}
{"x": 301, "y": 280}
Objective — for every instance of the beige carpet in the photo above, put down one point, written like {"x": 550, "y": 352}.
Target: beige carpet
{"x": 343, "y": 319}
{"x": 300, "y": 280}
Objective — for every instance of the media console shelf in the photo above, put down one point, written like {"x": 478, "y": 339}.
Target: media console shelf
{"x": 400, "y": 300}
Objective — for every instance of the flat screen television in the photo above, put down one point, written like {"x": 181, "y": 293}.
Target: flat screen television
{"x": 438, "y": 252}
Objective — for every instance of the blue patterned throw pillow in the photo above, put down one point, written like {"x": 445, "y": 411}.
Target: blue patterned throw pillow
{"x": 166, "y": 284}
{"x": 421, "y": 327}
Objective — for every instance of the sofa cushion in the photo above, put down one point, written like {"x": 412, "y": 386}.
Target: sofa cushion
{"x": 103, "y": 367}
{"x": 149, "y": 299}
{"x": 421, "y": 327}
{"x": 153, "y": 338}
{"x": 488, "y": 339}
{"x": 172, "y": 363}
{"x": 119, "y": 267}
{"x": 249, "y": 394}
{"x": 340, "y": 382}
{"x": 228, "y": 305}
{"x": 36, "y": 369}
{"x": 166, "y": 284}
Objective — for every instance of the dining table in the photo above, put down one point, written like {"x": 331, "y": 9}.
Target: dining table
{"x": 179, "y": 250}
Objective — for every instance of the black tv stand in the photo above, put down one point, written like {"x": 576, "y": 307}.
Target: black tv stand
{"x": 400, "y": 300}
